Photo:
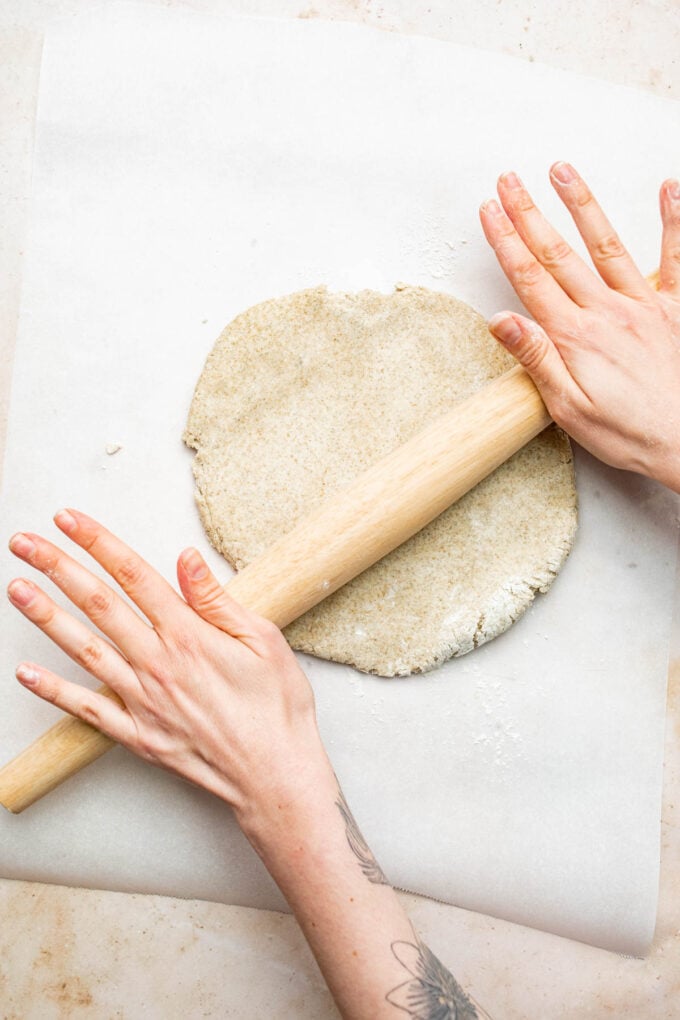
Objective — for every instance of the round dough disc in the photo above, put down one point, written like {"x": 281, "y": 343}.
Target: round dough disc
{"x": 302, "y": 393}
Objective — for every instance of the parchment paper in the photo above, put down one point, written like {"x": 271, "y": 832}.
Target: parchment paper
{"x": 187, "y": 167}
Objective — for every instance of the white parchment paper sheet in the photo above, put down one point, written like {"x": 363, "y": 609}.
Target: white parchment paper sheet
{"x": 187, "y": 167}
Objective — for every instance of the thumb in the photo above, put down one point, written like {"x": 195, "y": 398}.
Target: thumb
{"x": 537, "y": 353}
{"x": 206, "y": 596}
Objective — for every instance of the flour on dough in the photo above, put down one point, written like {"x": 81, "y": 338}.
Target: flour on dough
{"x": 302, "y": 393}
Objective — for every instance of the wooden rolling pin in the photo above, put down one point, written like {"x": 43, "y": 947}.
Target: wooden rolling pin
{"x": 345, "y": 535}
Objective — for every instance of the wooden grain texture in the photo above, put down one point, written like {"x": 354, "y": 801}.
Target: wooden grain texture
{"x": 345, "y": 535}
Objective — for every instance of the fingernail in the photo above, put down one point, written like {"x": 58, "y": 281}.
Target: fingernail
{"x": 491, "y": 207}
{"x": 27, "y": 676}
{"x": 564, "y": 173}
{"x": 505, "y": 329}
{"x": 674, "y": 190}
{"x": 66, "y": 521}
{"x": 511, "y": 180}
{"x": 194, "y": 564}
{"x": 20, "y": 592}
{"x": 21, "y": 544}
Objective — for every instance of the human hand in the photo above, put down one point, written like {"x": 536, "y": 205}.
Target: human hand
{"x": 218, "y": 697}
{"x": 213, "y": 693}
{"x": 604, "y": 350}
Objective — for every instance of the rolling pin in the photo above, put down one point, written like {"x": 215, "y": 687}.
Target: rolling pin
{"x": 345, "y": 535}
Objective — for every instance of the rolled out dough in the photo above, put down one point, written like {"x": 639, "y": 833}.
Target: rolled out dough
{"x": 303, "y": 392}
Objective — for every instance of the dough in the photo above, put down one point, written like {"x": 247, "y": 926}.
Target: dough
{"x": 303, "y": 392}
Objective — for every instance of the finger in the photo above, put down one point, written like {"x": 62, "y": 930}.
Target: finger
{"x": 99, "y": 602}
{"x": 91, "y": 652}
{"x": 609, "y": 256}
{"x": 669, "y": 268}
{"x": 539, "y": 292}
{"x": 145, "y": 586}
{"x": 104, "y": 713}
{"x": 549, "y": 247}
{"x": 207, "y": 597}
{"x": 536, "y": 352}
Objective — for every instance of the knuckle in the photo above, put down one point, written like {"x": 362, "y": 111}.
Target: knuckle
{"x": 523, "y": 202}
{"x": 209, "y": 598}
{"x": 273, "y": 641}
{"x": 560, "y": 414}
{"x": 98, "y": 603}
{"x": 89, "y": 713}
{"x": 608, "y": 247}
{"x": 52, "y": 564}
{"x": 49, "y": 689}
{"x": 160, "y": 674}
{"x": 581, "y": 194}
{"x": 89, "y": 655}
{"x": 528, "y": 273}
{"x": 555, "y": 253}
{"x": 129, "y": 572}
{"x": 151, "y": 744}
{"x": 90, "y": 535}
{"x": 145, "y": 748}
{"x": 46, "y": 559}
{"x": 269, "y": 631}
{"x": 534, "y": 355}
{"x": 506, "y": 240}
{"x": 154, "y": 752}
{"x": 44, "y": 613}
{"x": 670, "y": 207}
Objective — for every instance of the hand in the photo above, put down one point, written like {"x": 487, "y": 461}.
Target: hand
{"x": 213, "y": 693}
{"x": 604, "y": 350}
{"x": 217, "y": 698}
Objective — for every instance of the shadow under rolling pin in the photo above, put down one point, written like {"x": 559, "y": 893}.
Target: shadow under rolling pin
{"x": 346, "y": 534}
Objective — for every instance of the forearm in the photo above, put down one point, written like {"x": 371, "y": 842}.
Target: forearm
{"x": 348, "y": 919}
{"x": 352, "y": 918}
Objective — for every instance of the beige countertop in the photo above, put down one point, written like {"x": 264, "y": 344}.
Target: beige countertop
{"x": 77, "y": 953}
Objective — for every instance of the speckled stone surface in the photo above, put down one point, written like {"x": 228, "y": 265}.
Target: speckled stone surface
{"x": 301, "y": 394}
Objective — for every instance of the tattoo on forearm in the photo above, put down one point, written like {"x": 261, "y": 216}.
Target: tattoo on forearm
{"x": 431, "y": 992}
{"x": 358, "y": 844}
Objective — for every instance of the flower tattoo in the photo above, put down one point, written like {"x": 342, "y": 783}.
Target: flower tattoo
{"x": 432, "y": 992}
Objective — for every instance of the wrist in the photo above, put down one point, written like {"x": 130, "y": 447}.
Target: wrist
{"x": 287, "y": 805}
